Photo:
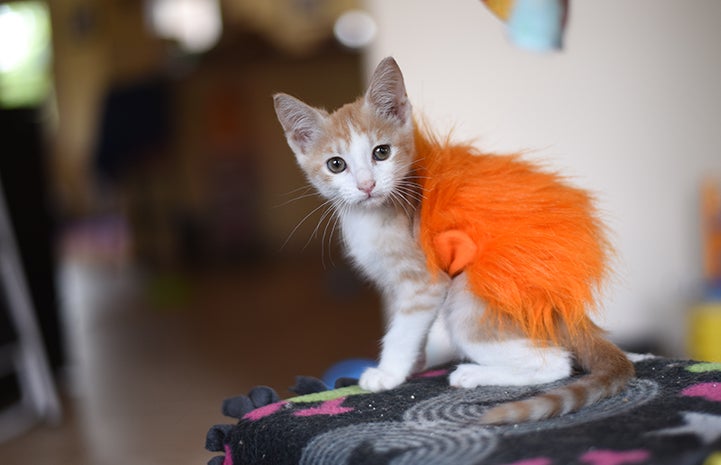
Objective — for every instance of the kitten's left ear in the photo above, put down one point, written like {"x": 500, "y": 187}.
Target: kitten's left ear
{"x": 301, "y": 122}
{"x": 386, "y": 93}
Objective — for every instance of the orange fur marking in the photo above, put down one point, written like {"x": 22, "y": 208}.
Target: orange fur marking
{"x": 531, "y": 246}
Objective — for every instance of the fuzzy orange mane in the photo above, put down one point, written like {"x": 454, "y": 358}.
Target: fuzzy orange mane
{"x": 531, "y": 246}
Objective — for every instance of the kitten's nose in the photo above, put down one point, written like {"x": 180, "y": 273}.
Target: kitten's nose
{"x": 367, "y": 186}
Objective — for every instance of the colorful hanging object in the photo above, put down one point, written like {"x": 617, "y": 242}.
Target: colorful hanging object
{"x": 536, "y": 25}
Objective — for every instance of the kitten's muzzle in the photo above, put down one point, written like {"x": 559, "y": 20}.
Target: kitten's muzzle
{"x": 367, "y": 187}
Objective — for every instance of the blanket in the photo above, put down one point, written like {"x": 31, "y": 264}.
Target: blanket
{"x": 669, "y": 414}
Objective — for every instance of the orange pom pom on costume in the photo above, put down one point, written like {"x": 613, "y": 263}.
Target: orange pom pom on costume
{"x": 530, "y": 245}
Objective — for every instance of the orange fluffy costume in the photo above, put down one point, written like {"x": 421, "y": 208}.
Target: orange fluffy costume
{"x": 532, "y": 247}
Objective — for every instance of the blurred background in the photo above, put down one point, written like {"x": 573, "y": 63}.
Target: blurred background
{"x": 173, "y": 256}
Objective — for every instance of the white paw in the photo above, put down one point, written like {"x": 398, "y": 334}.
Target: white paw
{"x": 376, "y": 380}
{"x": 468, "y": 375}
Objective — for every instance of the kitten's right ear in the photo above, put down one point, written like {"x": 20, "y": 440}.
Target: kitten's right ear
{"x": 387, "y": 93}
{"x": 301, "y": 122}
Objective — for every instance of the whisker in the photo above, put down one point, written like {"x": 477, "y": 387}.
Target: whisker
{"x": 336, "y": 220}
{"x": 295, "y": 199}
{"x": 410, "y": 186}
{"x": 305, "y": 218}
{"x": 331, "y": 223}
{"x": 417, "y": 176}
{"x": 314, "y": 234}
{"x": 401, "y": 201}
{"x": 340, "y": 209}
{"x": 323, "y": 243}
{"x": 411, "y": 191}
{"x": 305, "y": 191}
{"x": 298, "y": 189}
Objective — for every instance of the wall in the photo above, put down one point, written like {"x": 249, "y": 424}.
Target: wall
{"x": 630, "y": 109}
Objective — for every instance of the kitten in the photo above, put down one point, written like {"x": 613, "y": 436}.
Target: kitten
{"x": 489, "y": 255}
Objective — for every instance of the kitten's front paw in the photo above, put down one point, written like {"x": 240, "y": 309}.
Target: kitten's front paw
{"x": 376, "y": 380}
{"x": 468, "y": 375}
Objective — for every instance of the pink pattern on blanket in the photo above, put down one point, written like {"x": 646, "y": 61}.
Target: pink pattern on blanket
{"x": 228, "y": 460}
{"x": 431, "y": 374}
{"x": 329, "y": 407}
{"x": 709, "y": 391}
{"x": 613, "y": 457}
{"x": 264, "y": 411}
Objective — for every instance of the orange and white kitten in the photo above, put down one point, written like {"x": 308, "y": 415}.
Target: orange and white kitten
{"x": 362, "y": 158}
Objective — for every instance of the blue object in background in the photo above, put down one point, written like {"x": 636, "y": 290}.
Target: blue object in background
{"x": 350, "y": 368}
{"x": 537, "y": 24}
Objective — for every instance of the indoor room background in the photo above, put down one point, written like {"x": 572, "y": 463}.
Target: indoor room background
{"x": 175, "y": 254}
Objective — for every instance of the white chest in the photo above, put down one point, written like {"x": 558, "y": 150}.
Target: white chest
{"x": 379, "y": 243}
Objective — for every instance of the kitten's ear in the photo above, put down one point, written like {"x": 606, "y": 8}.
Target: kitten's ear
{"x": 387, "y": 92}
{"x": 301, "y": 122}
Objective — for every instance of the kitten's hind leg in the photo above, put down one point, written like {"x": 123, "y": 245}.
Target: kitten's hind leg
{"x": 440, "y": 349}
{"x": 514, "y": 362}
{"x": 498, "y": 358}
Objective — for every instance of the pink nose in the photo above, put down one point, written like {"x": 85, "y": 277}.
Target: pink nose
{"x": 367, "y": 186}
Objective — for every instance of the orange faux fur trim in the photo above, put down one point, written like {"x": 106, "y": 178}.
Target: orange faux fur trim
{"x": 531, "y": 246}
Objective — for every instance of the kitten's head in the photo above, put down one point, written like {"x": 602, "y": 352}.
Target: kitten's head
{"x": 361, "y": 153}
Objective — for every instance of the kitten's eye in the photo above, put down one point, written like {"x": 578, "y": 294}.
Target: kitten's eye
{"x": 381, "y": 152}
{"x": 336, "y": 165}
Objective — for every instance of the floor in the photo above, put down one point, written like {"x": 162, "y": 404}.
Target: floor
{"x": 155, "y": 354}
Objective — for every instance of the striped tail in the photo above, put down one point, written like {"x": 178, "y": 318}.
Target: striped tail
{"x": 609, "y": 372}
